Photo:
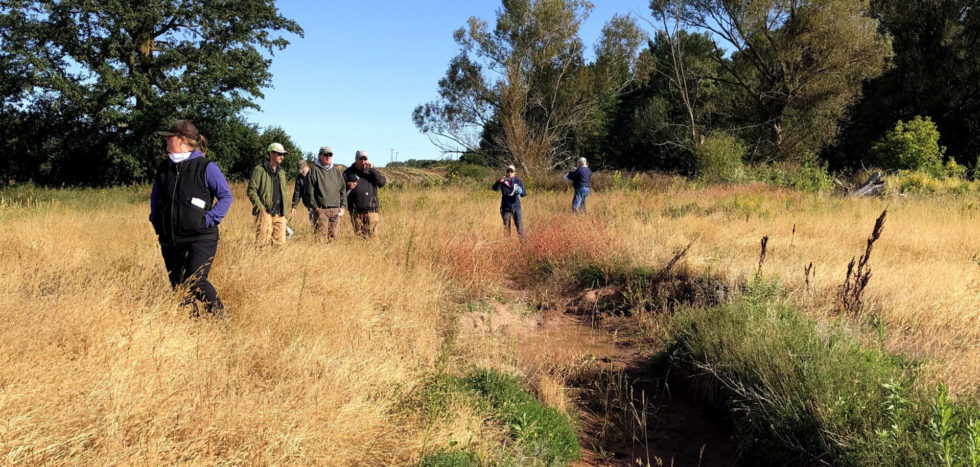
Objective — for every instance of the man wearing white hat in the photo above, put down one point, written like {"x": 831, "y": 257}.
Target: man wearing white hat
{"x": 363, "y": 181}
{"x": 267, "y": 192}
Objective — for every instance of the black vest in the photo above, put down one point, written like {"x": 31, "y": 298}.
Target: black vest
{"x": 181, "y": 191}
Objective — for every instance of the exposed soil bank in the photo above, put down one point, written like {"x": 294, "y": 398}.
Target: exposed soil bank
{"x": 628, "y": 415}
{"x": 634, "y": 417}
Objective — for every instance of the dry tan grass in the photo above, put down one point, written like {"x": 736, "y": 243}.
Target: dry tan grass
{"x": 926, "y": 267}
{"x": 100, "y": 363}
{"x": 327, "y": 342}
{"x": 925, "y": 271}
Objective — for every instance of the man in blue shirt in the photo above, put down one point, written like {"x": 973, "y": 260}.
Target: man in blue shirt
{"x": 581, "y": 178}
{"x": 511, "y": 190}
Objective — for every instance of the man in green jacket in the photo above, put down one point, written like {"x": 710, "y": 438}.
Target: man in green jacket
{"x": 327, "y": 194}
{"x": 267, "y": 192}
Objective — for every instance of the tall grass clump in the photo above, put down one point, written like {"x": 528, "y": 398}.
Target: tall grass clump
{"x": 804, "y": 391}
{"x": 557, "y": 249}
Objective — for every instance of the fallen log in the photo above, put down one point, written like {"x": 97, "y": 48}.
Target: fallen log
{"x": 871, "y": 187}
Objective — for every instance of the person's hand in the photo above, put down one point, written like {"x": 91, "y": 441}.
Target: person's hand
{"x": 351, "y": 185}
{"x": 292, "y": 212}
{"x": 367, "y": 165}
{"x": 340, "y": 213}
{"x": 502, "y": 180}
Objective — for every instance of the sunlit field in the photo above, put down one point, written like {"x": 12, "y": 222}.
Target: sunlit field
{"x": 328, "y": 345}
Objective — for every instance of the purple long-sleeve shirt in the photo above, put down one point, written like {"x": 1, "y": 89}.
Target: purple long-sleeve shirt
{"x": 216, "y": 184}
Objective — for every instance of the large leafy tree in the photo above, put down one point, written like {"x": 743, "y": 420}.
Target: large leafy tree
{"x": 935, "y": 72}
{"x": 799, "y": 63}
{"x": 86, "y": 82}
{"x": 522, "y": 90}
{"x": 674, "y": 101}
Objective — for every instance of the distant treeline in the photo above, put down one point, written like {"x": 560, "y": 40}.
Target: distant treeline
{"x": 693, "y": 87}
{"x": 715, "y": 83}
{"x": 416, "y": 163}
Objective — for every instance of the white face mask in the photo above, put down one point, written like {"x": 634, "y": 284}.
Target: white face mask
{"x": 179, "y": 156}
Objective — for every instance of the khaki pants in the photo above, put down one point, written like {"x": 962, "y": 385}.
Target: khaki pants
{"x": 365, "y": 223}
{"x": 270, "y": 230}
{"x": 326, "y": 222}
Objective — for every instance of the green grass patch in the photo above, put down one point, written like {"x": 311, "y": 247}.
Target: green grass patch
{"x": 455, "y": 458}
{"x": 542, "y": 433}
{"x": 803, "y": 391}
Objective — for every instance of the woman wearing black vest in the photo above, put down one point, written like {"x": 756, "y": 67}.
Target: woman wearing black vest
{"x": 190, "y": 197}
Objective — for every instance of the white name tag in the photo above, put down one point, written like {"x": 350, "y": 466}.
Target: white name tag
{"x": 198, "y": 202}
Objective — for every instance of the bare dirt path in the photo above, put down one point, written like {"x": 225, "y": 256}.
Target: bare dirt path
{"x": 628, "y": 415}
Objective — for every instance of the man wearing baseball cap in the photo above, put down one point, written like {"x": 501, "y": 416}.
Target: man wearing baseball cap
{"x": 511, "y": 191}
{"x": 363, "y": 181}
{"x": 326, "y": 192}
{"x": 267, "y": 192}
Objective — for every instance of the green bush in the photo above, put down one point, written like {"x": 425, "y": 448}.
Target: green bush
{"x": 804, "y": 392}
{"x": 719, "y": 158}
{"x": 911, "y": 146}
{"x": 807, "y": 174}
{"x": 462, "y": 170}
{"x": 953, "y": 170}
{"x": 921, "y": 183}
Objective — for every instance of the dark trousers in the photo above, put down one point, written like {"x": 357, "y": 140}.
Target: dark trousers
{"x": 189, "y": 264}
{"x": 514, "y": 214}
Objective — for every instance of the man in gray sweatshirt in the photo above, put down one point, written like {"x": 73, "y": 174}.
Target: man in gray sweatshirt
{"x": 327, "y": 194}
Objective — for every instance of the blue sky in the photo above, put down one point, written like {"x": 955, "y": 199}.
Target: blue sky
{"x": 352, "y": 82}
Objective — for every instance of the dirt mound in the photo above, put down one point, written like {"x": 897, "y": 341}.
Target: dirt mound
{"x": 664, "y": 294}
